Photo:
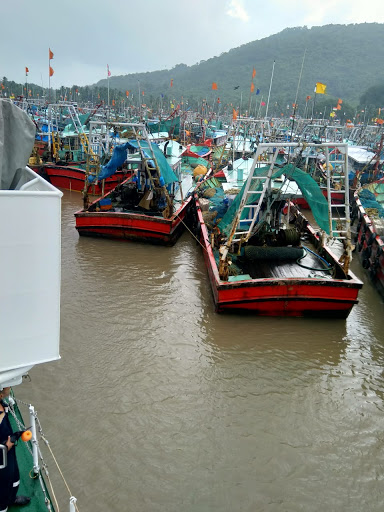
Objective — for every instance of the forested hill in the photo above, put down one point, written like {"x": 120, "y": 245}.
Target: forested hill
{"x": 347, "y": 58}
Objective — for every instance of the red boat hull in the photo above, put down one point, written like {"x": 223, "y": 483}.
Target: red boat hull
{"x": 337, "y": 198}
{"x": 134, "y": 227}
{"x": 279, "y": 297}
{"x": 370, "y": 248}
{"x": 73, "y": 178}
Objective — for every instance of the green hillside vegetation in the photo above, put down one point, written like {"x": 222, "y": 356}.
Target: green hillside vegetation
{"x": 341, "y": 56}
{"x": 344, "y": 57}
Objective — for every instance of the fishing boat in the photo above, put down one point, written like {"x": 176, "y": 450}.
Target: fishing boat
{"x": 196, "y": 151}
{"x": 151, "y": 205}
{"x": 261, "y": 253}
{"x": 365, "y": 165}
{"x": 71, "y": 177}
{"x": 30, "y": 253}
{"x": 369, "y": 204}
{"x": 67, "y": 168}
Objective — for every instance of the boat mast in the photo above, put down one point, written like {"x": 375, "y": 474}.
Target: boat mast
{"x": 270, "y": 87}
{"x": 297, "y": 94}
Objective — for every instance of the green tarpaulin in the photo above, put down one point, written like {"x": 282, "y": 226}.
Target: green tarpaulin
{"x": 308, "y": 186}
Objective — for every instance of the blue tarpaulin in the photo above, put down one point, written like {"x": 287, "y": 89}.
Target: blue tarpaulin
{"x": 119, "y": 156}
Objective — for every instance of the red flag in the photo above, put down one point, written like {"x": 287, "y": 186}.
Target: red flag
{"x": 26, "y": 71}
{"x": 307, "y": 98}
{"x": 214, "y": 86}
{"x": 142, "y": 93}
{"x": 172, "y": 82}
{"x": 252, "y": 87}
{"x": 218, "y": 100}
{"x": 50, "y": 71}
{"x": 108, "y": 72}
{"x": 262, "y": 103}
{"x": 253, "y": 73}
{"x": 50, "y": 54}
{"x": 127, "y": 93}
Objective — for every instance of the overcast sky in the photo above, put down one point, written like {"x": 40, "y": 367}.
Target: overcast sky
{"x": 146, "y": 35}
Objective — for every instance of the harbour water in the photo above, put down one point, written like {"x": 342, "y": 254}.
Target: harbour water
{"x": 160, "y": 404}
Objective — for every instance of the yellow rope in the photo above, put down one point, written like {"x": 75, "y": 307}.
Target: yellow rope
{"x": 197, "y": 240}
{"x": 58, "y": 467}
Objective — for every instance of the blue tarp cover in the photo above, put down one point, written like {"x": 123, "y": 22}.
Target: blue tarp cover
{"x": 119, "y": 156}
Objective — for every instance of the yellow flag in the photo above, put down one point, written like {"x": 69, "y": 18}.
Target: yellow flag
{"x": 320, "y": 88}
{"x": 332, "y": 114}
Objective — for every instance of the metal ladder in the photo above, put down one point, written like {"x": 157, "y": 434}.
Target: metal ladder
{"x": 93, "y": 161}
{"x": 53, "y": 130}
{"x": 342, "y": 164}
{"x": 238, "y": 234}
{"x": 141, "y": 133}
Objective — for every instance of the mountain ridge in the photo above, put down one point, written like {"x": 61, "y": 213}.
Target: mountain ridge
{"x": 337, "y": 55}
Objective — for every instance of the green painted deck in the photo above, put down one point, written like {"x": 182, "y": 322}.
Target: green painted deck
{"x": 28, "y": 486}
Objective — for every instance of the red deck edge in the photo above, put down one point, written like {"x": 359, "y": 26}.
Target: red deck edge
{"x": 370, "y": 248}
{"x": 279, "y": 297}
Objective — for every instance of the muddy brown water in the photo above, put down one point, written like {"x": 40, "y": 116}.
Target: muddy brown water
{"x": 161, "y": 404}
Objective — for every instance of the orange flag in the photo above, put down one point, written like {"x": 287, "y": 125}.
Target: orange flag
{"x": 338, "y": 107}
{"x": 252, "y": 87}
{"x": 307, "y": 98}
{"x": 253, "y": 73}
{"x": 50, "y": 71}
{"x": 50, "y": 54}
{"x": 234, "y": 115}
{"x": 172, "y": 82}
{"x": 214, "y": 86}
{"x": 127, "y": 93}
{"x": 113, "y": 103}
{"x": 339, "y": 102}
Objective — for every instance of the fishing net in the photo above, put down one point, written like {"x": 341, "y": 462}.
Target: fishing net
{"x": 170, "y": 126}
{"x": 308, "y": 186}
{"x": 370, "y": 200}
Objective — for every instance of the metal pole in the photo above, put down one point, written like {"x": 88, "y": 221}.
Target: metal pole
{"x": 35, "y": 454}
{"x": 108, "y": 90}
{"x": 298, "y": 85}
{"x": 72, "y": 504}
{"x": 270, "y": 87}
{"x": 49, "y": 79}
